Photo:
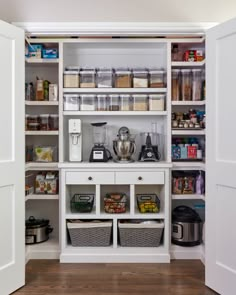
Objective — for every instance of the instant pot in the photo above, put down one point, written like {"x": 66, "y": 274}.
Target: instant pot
{"x": 186, "y": 227}
{"x": 37, "y": 230}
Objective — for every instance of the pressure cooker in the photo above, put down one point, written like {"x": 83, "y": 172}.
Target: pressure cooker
{"x": 37, "y": 230}
{"x": 186, "y": 227}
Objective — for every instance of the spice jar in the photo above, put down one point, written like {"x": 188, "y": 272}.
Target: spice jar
{"x": 71, "y": 79}
{"x": 196, "y": 84}
{"x": 156, "y": 102}
{"x": 126, "y": 102}
{"x": 174, "y": 124}
{"x": 186, "y": 84}
{"x": 44, "y": 121}
{"x": 175, "y": 84}
{"x": 104, "y": 78}
{"x": 87, "y": 78}
{"x": 101, "y": 102}
{"x": 156, "y": 78}
{"x": 114, "y": 102}
{"x": 140, "y": 102}
{"x": 53, "y": 122}
{"x": 140, "y": 78}
{"x": 88, "y": 102}
{"x": 122, "y": 78}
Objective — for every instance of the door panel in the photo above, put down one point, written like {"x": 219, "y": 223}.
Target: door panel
{"x": 12, "y": 201}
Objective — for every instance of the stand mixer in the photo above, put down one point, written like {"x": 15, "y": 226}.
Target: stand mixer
{"x": 124, "y": 146}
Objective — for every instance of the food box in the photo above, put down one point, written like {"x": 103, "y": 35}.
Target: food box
{"x": 82, "y": 203}
{"x": 35, "y": 50}
{"x": 46, "y": 183}
{"x": 115, "y": 203}
{"x": 193, "y": 55}
{"x": 50, "y": 53}
{"x": 192, "y": 152}
{"x": 176, "y": 153}
{"x": 148, "y": 203}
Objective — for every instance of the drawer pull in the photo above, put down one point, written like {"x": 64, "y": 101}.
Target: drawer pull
{"x": 140, "y": 178}
{"x": 90, "y": 178}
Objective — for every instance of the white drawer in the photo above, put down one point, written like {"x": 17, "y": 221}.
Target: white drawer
{"x": 148, "y": 177}
{"x": 90, "y": 177}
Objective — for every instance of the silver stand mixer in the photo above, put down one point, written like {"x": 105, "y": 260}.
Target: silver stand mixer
{"x": 124, "y": 146}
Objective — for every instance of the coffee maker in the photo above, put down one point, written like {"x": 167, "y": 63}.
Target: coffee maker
{"x": 75, "y": 140}
{"x": 149, "y": 150}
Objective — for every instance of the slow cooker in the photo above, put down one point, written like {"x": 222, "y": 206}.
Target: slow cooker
{"x": 37, "y": 230}
{"x": 186, "y": 227}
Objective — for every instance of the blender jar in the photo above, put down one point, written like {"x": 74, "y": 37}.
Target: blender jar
{"x": 99, "y": 133}
{"x": 186, "y": 84}
{"x": 196, "y": 84}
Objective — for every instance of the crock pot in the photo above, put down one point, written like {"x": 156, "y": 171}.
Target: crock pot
{"x": 37, "y": 230}
{"x": 186, "y": 227}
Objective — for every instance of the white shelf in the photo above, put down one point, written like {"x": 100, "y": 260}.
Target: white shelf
{"x": 42, "y": 60}
{"x": 188, "y": 103}
{"x": 41, "y": 103}
{"x": 188, "y": 197}
{"x": 41, "y": 166}
{"x": 115, "y": 113}
{"x": 188, "y": 166}
{"x": 114, "y": 90}
{"x": 188, "y": 63}
{"x": 41, "y": 197}
{"x": 188, "y": 132}
{"x": 46, "y": 250}
{"x": 41, "y": 132}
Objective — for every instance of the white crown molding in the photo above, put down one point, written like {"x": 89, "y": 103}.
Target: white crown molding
{"x": 114, "y": 28}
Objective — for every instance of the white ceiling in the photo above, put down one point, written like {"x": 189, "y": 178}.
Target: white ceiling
{"x": 117, "y": 10}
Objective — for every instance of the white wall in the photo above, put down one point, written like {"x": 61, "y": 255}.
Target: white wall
{"x": 117, "y": 10}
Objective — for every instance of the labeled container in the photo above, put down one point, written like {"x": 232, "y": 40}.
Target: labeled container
{"x": 186, "y": 85}
{"x": 157, "y": 78}
{"x": 123, "y": 78}
{"x": 71, "y": 79}
{"x": 53, "y": 122}
{"x": 114, "y": 102}
{"x": 88, "y": 102}
{"x": 126, "y": 102}
{"x": 156, "y": 102}
{"x": 71, "y": 102}
{"x": 88, "y": 78}
{"x": 104, "y": 78}
{"x": 140, "y": 102}
{"x": 44, "y": 122}
{"x": 148, "y": 203}
{"x": 102, "y": 104}
{"x": 140, "y": 78}
{"x": 175, "y": 84}
{"x": 82, "y": 203}
{"x": 196, "y": 84}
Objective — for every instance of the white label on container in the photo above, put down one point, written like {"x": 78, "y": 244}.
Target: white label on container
{"x": 98, "y": 155}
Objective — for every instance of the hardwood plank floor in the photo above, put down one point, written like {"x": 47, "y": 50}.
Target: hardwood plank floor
{"x": 47, "y": 277}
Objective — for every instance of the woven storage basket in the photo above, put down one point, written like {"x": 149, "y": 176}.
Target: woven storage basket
{"x": 90, "y": 234}
{"x": 140, "y": 235}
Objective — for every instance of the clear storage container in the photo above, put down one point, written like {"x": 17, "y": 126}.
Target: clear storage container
{"x": 71, "y": 79}
{"x": 87, "y": 78}
{"x": 44, "y": 121}
{"x": 104, "y": 78}
{"x": 140, "y": 78}
{"x": 123, "y": 78}
{"x": 53, "y": 122}
{"x": 140, "y": 102}
{"x": 88, "y": 102}
{"x": 102, "y": 102}
{"x": 156, "y": 102}
{"x": 34, "y": 126}
{"x": 126, "y": 102}
{"x": 196, "y": 84}
{"x": 175, "y": 84}
{"x": 157, "y": 78}
{"x": 33, "y": 119}
{"x": 114, "y": 102}
{"x": 186, "y": 84}
{"x": 71, "y": 102}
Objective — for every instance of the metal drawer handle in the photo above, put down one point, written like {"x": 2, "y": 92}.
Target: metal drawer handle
{"x": 90, "y": 178}
{"x": 140, "y": 178}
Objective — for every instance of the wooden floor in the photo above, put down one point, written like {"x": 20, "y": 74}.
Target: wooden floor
{"x": 47, "y": 277}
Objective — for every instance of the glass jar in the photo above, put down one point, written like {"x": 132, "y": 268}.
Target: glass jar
{"x": 101, "y": 102}
{"x": 125, "y": 102}
{"x": 123, "y": 78}
{"x": 196, "y": 84}
{"x": 53, "y": 122}
{"x": 140, "y": 78}
{"x": 33, "y": 126}
{"x": 156, "y": 102}
{"x": 175, "y": 84}
{"x": 157, "y": 78}
{"x": 33, "y": 119}
{"x": 186, "y": 84}
{"x": 140, "y": 102}
{"x": 71, "y": 102}
{"x": 114, "y": 102}
{"x": 71, "y": 79}
{"x": 104, "y": 78}
{"x": 44, "y": 121}
{"x": 88, "y": 102}
{"x": 87, "y": 78}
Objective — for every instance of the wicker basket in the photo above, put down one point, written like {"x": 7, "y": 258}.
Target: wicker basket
{"x": 90, "y": 234}
{"x": 140, "y": 234}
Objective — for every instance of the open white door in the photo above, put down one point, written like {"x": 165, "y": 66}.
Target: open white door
{"x": 12, "y": 212}
{"x": 221, "y": 159}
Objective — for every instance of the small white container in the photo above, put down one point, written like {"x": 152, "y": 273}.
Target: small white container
{"x": 71, "y": 79}
{"x": 53, "y": 92}
{"x": 156, "y": 102}
{"x": 88, "y": 102}
{"x": 71, "y": 102}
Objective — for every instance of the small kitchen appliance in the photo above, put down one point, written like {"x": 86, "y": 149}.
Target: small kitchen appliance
{"x": 186, "y": 227}
{"x": 124, "y": 146}
{"x": 99, "y": 153}
{"x": 149, "y": 152}
{"x": 75, "y": 140}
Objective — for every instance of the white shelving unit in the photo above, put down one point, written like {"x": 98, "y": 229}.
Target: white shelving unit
{"x": 188, "y": 103}
{"x": 41, "y": 197}
{"x": 188, "y": 63}
{"x": 115, "y": 113}
{"x": 188, "y": 132}
{"x": 188, "y": 197}
{"x": 41, "y": 132}
{"x": 114, "y": 90}
{"x": 41, "y": 103}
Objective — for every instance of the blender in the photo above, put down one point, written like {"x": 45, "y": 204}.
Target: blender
{"x": 99, "y": 153}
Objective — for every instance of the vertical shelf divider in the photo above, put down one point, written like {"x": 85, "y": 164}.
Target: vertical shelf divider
{"x": 132, "y": 199}
{"x": 115, "y": 232}
{"x": 98, "y": 199}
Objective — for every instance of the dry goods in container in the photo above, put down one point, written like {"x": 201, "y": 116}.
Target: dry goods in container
{"x": 39, "y": 90}
{"x": 71, "y": 79}
{"x": 175, "y": 84}
{"x": 122, "y": 78}
{"x": 33, "y": 126}
{"x": 44, "y": 122}
{"x": 140, "y": 78}
{"x": 87, "y": 78}
{"x": 102, "y": 102}
{"x": 44, "y": 153}
{"x": 140, "y": 102}
{"x": 104, "y": 78}
{"x": 114, "y": 102}
{"x": 125, "y": 102}
{"x": 186, "y": 84}
{"x": 71, "y": 102}
{"x": 156, "y": 102}
{"x": 88, "y": 102}
{"x": 157, "y": 78}
{"x": 148, "y": 203}
{"x": 196, "y": 84}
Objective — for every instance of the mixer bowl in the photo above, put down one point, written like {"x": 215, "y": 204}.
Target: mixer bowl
{"x": 124, "y": 149}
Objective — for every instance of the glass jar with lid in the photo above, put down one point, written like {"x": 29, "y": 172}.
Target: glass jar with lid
{"x": 157, "y": 78}
{"x": 71, "y": 102}
{"x": 104, "y": 78}
{"x": 53, "y": 122}
{"x": 156, "y": 102}
{"x": 123, "y": 78}
{"x": 88, "y": 102}
{"x": 140, "y": 102}
{"x": 102, "y": 102}
{"x": 140, "y": 78}
{"x": 175, "y": 84}
{"x": 186, "y": 84}
{"x": 87, "y": 78}
{"x": 114, "y": 102}
{"x": 44, "y": 121}
{"x": 126, "y": 102}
